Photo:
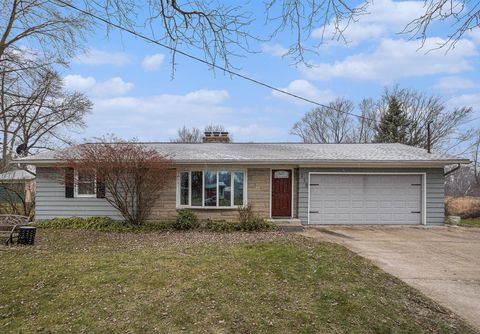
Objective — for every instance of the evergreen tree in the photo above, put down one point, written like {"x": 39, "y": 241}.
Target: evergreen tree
{"x": 393, "y": 124}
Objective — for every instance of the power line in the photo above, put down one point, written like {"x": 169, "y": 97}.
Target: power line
{"x": 473, "y": 119}
{"x": 261, "y": 83}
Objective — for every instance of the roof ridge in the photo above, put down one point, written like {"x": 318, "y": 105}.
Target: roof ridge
{"x": 238, "y": 143}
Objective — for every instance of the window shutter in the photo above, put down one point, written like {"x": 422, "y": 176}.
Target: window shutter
{"x": 69, "y": 183}
{"x": 100, "y": 188}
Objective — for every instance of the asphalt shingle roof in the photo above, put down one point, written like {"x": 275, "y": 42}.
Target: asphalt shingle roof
{"x": 284, "y": 152}
{"x": 16, "y": 175}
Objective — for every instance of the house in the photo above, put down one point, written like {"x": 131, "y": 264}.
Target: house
{"x": 312, "y": 183}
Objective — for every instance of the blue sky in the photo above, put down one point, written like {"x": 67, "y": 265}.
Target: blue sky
{"x": 134, "y": 95}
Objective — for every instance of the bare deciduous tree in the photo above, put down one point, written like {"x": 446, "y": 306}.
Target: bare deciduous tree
{"x": 16, "y": 200}
{"x": 365, "y": 130}
{"x": 188, "y": 135}
{"x": 462, "y": 183}
{"x": 36, "y": 111}
{"x": 476, "y": 157}
{"x": 128, "y": 174}
{"x": 422, "y": 109}
{"x": 327, "y": 125}
{"x": 221, "y": 30}
{"x": 466, "y": 181}
{"x": 462, "y": 16}
{"x": 337, "y": 124}
{"x": 215, "y": 128}
{"x": 29, "y": 26}
{"x": 194, "y": 135}
{"x": 302, "y": 17}
{"x": 217, "y": 29}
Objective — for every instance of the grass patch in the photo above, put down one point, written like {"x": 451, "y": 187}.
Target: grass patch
{"x": 87, "y": 281}
{"x": 475, "y": 222}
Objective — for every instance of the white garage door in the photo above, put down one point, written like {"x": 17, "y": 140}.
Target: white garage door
{"x": 365, "y": 199}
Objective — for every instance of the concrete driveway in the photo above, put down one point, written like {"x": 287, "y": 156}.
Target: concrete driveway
{"x": 442, "y": 262}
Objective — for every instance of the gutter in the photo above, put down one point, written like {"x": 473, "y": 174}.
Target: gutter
{"x": 453, "y": 170}
{"x": 301, "y": 163}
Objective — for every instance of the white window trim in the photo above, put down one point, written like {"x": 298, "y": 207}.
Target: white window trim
{"x": 203, "y": 206}
{"x": 75, "y": 187}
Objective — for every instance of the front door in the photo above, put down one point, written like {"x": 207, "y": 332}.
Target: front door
{"x": 281, "y": 193}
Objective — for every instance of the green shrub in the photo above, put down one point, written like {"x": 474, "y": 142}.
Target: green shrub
{"x": 186, "y": 220}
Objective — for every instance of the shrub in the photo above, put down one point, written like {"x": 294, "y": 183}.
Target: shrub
{"x": 100, "y": 224}
{"x": 220, "y": 226}
{"x": 465, "y": 207}
{"x": 255, "y": 224}
{"x": 473, "y": 212}
{"x": 249, "y": 221}
{"x": 246, "y": 214}
{"x": 186, "y": 220}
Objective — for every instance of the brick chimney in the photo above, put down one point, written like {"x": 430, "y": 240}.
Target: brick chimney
{"x": 216, "y": 137}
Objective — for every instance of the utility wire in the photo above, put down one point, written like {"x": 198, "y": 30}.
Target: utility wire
{"x": 247, "y": 78}
{"x": 233, "y": 73}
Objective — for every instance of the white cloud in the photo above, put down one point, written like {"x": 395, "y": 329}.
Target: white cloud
{"x": 159, "y": 116}
{"x": 394, "y": 59}
{"x": 305, "y": 89}
{"x": 99, "y": 57}
{"x": 276, "y": 50}
{"x": 153, "y": 62}
{"x": 383, "y": 17}
{"x": 113, "y": 86}
{"x": 205, "y": 96}
{"x": 167, "y": 104}
{"x": 255, "y": 130}
{"x": 452, "y": 84}
{"x": 474, "y": 35}
{"x": 78, "y": 82}
{"x": 466, "y": 100}
{"x": 89, "y": 85}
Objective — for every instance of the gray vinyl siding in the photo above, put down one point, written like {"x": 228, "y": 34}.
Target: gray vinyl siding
{"x": 435, "y": 189}
{"x": 50, "y": 200}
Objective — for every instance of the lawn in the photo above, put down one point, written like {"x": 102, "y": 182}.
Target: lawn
{"x": 475, "y": 222}
{"x": 84, "y": 281}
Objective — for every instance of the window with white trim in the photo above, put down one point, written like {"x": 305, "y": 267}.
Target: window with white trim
{"x": 211, "y": 188}
{"x": 85, "y": 185}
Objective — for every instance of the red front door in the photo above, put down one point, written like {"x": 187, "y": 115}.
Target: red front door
{"x": 281, "y": 193}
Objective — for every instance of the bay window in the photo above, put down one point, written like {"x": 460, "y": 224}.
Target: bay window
{"x": 197, "y": 189}
{"x": 211, "y": 188}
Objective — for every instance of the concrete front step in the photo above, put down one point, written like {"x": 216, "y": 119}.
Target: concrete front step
{"x": 288, "y": 225}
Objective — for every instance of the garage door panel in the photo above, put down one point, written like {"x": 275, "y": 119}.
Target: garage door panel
{"x": 365, "y": 199}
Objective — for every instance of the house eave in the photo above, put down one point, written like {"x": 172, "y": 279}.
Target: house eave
{"x": 298, "y": 163}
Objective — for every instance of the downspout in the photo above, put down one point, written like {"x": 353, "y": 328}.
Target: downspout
{"x": 452, "y": 170}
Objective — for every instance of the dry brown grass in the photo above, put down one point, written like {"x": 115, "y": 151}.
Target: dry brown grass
{"x": 465, "y": 207}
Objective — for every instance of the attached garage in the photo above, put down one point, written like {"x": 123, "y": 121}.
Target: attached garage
{"x": 355, "y": 198}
